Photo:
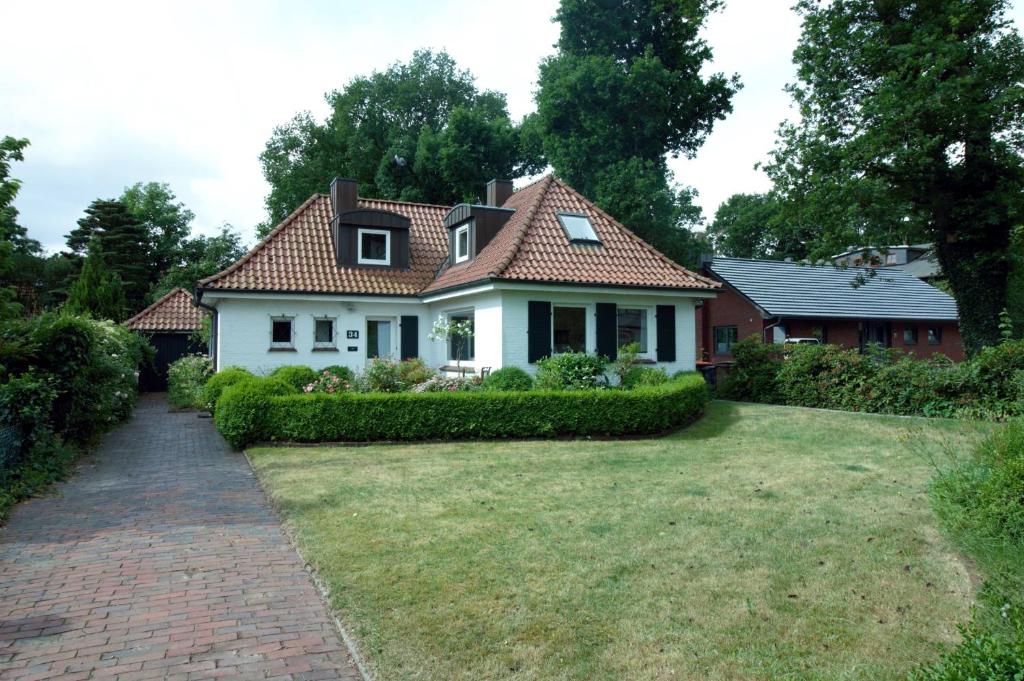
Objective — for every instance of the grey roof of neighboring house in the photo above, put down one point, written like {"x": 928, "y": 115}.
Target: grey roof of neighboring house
{"x": 787, "y": 289}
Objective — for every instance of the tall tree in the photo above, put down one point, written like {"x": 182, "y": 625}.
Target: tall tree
{"x": 113, "y": 233}
{"x": 911, "y": 130}
{"x": 752, "y": 226}
{"x": 417, "y": 131}
{"x": 624, "y": 91}
{"x": 167, "y": 221}
{"x": 201, "y": 257}
{"x": 98, "y": 291}
{"x": 18, "y": 253}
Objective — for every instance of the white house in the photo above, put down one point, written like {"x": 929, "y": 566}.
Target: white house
{"x": 537, "y": 271}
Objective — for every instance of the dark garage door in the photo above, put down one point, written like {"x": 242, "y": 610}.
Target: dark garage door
{"x": 169, "y": 347}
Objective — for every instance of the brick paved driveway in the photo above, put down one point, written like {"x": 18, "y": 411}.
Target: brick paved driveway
{"x": 160, "y": 558}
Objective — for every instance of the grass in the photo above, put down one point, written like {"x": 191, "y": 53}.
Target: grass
{"x": 761, "y": 543}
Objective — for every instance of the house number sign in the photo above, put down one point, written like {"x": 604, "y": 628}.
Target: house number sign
{"x": 352, "y": 334}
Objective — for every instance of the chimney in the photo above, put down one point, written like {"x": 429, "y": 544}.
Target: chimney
{"x": 498, "y": 192}
{"x": 343, "y": 195}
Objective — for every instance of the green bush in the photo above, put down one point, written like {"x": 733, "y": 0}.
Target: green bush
{"x": 297, "y": 375}
{"x": 244, "y": 417}
{"x": 446, "y": 384}
{"x": 241, "y": 411}
{"x": 328, "y": 381}
{"x": 571, "y": 371}
{"x": 219, "y": 381}
{"x": 984, "y": 655}
{"x": 508, "y": 378}
{"x": 639, "y": 376}
{"x": 342, "y": 372}
{"x": 186, "y": 377}
{"x": 381, "y": 375}
{"x": 753, "y": 377}
{"x": 414, "y": 371}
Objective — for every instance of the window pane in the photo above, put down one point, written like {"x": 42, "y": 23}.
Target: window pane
{"x": 462, "y": 243}
{"x": 281, "y": 331}
{"x": 725, "y": 337}
{"x": 910, "y": 336}
{"x": 633, "y": 327}
{"x": 378, "y": 338}
{"x": 324, "y": 332}
{"x": 934, "y": 335}
{"x": 578, "y": 227}
{"x": 374, "y": 247}
{"x": 570, "y": 329}
{"x": 459, "y": 347}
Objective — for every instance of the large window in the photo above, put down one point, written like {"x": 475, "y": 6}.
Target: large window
{"x": 281, "y": 333}
{"x": 569, "y": 329}
{"x": 725, "y": 338}
{"x": 374, "y": 247}
{"x": 323, "y": 333}
{"x": 459, "y": 347}
{"x": 578, "y": 228}
{"x": 462, "y": 244}
{"x": 632, "y": 324}
{"x": 379, "y": 338}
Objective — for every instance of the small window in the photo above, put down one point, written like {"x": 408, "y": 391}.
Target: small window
{"x": 578, "y": 228}
{"x": 323, "y": 333}
{"x": 569, "y": 329}
{"x": 892, "y": 259}
{"x": 374, "y": 247}
{"x": 462, "y": 244}
{"x": 935, "y": 335}
{"x": 820, "y": 332}
{"x": 910, "y": 335}
{"x": 378, "y": 338}
{"x": 725, "y": 338}
{"x": 632, "y": 323}
{"x": 461, "y": 348}
{"x": 281, "y": 332}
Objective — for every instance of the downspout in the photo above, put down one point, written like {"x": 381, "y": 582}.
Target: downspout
{"x": 198, "y": 297}
{"x": 765, "y": 330}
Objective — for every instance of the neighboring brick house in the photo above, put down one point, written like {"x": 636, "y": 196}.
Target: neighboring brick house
{"x": 171, "y": 325}
{"x": 775, "y": 301}
{"x": 537, "y": 271}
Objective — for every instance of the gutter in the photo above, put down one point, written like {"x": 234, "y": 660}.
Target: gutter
{"x": 764, "y": 331}
{"x": 212, "y": 350}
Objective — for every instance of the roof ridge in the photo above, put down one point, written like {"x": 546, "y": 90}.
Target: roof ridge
{"x": 261, "y": 244}
{"x": 404, "y": 203}
{"x": 669, "y": 261}
{"x": 156, "y": 304}
{"x": 520, "y": 234}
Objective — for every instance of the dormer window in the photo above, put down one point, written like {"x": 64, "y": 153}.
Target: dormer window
{"x": 374, "y": 247}
{"x": 578, "y": 228}
{"x": 462, "y": 243}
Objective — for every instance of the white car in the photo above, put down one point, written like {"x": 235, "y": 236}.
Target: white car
{"x": 802, "y": 341}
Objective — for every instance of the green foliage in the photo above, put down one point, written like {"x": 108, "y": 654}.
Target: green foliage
{"x": 910, "y": 131}
{"x": 983, "y": 654}
{"x": 635, "y": 68}
{"x": 330, "y": 380}
{"x": 508, "y": 378}
{"x": 571, "y": 371}
{"x": 197, "y": 258}
{"x": 48, "y": 460}
{"x": 988, "y": 386}
{"x": 752, "y": 226}
{"x": 166, "y": 220}
{"x": 245, "y": 416}
{"x": 342, "y": 372}
{"x": 16, "y": 249}
{"x": 186, "y": 378}
{"x": 381, "y": 375}
{"x": 639, "y": 377}
{"x": 414, "y": 371}
{"x": 417, "y": 131}
{"x": 446, "y": 384}
{"x": 217, "y": 383}
{"x": 242, "y": 409}
{"x": 298, "y": 376}
{"x": 97, "y": 292}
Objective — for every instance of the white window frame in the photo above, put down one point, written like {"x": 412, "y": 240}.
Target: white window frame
{"x": 393, "y": 349}
{"x": 648, "y": 325}
{"x": 461, "y": 312}
{"x": 464, "y": 229}
{"x": 326, "y": 345}
{"x": 282, "y": 345}
{"x": 586, "y": 324}
{"x": 387, "y": 247}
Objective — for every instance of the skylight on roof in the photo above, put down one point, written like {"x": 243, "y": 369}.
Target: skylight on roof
{"x": 578, "y": 228}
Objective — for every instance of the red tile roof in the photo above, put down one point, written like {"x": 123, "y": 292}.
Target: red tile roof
{"x": 298, "y": 256}
{"x": 174, "y": 312}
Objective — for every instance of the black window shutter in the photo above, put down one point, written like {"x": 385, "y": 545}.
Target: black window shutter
{"x": 410, "y": 327}
{"x": 666, "y": 320}
{"x": 538, "y": 320}
{"x": 607, "y": 330}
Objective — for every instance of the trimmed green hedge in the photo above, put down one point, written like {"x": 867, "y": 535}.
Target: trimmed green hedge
{"x": 245, "y": 417}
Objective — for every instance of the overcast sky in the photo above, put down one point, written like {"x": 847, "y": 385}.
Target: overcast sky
{"x": 188, "y": 93}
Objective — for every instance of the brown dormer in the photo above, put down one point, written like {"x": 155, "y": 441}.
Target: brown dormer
{"x": 366, "y": 237}
{"x": 471, "y": 227}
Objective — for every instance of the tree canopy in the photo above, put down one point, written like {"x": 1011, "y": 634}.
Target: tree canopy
{"x": 752, "y": 226}
{"x": 417, "y": 131}
{"x": 910, "y": 130}
{"x": 198, "y": 258}
{"x": 625, "y": 91}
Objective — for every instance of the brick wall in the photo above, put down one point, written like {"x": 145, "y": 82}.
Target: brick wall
{"x": 728, "y": 309}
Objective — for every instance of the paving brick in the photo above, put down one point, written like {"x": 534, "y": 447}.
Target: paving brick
{"x": 160, "y": 558}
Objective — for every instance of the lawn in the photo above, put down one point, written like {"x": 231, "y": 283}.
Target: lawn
{"x": 761, "y": 543}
